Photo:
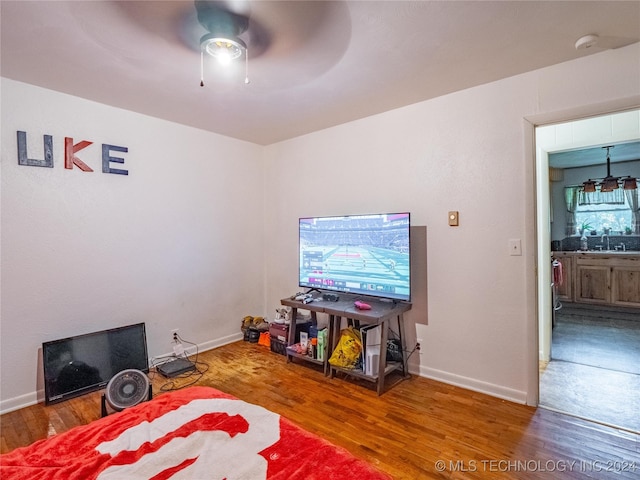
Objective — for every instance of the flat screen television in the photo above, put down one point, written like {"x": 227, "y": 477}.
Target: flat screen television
{"x": 358, "y": 254}
{"x": 85, "y": 363}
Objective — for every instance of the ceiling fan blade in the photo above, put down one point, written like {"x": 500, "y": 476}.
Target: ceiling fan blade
{"x": 286, "y": 31}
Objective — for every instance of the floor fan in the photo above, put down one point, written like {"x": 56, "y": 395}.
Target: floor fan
{"x": 126, "y": 389}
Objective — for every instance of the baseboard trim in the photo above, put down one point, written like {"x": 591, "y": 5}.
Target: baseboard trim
{"x": 16, "y": 403}
{"x": 498, "y": 391}
{"x": 28, "y": 399}
{"x": 210, "y": 345}
{"x": 494, "y": 390}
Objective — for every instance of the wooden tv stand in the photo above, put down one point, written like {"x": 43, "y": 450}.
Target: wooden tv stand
{"x": 382, "y": 313}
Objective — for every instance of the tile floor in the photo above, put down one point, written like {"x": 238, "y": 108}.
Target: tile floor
{"x": 594, "y": 372}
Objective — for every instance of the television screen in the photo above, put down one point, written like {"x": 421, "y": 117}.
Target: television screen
{"x": 359, "y": 254}
{"x": 78, "y": 365}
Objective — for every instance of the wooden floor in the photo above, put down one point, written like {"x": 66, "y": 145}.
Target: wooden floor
{"x": 594, "y": 371}
{"x": 417, "y": 429}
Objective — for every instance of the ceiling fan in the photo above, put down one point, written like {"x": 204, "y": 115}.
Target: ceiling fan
{"x": 278, "y": 34}
{"x": 289, "y": 32}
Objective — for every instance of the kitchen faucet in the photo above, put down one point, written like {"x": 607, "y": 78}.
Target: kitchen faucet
{"x": 602, "y": 240}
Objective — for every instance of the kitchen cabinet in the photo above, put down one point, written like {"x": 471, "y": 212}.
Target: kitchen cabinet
{"x": 602, "y": 278}
{"x": 593, "y": 283}
{"x": 625, "y": 286}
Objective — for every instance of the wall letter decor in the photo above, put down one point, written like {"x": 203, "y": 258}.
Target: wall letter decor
{"x": 69, "y": 154}
{"x": 22, "y": 152}
{"x": 70, "y": 158}
{"x": 106, "y": 158}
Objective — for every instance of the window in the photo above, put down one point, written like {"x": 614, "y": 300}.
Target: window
{"x": 615, "y": 216}
{"x": 599, "y": 217}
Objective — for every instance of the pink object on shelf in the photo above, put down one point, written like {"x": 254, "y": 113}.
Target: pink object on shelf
{"x": 362, "y": 306}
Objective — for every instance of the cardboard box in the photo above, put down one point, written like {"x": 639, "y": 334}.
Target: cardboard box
{"x": 279, "y": 332}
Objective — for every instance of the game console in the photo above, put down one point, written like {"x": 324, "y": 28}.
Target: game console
{"x": 176, "y": 367}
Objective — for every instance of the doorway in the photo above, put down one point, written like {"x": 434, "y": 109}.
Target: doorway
{"x": 589, "y": 352}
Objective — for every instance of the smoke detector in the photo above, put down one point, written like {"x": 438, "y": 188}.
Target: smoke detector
{"x": 587, "y": 41}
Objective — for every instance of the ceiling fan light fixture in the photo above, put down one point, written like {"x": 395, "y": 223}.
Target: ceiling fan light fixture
{"x": 223, "y": 49}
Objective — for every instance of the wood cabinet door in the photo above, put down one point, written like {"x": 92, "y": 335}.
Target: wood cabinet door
{"x": 593, "y": 284}
{"x": 625, "y": 286}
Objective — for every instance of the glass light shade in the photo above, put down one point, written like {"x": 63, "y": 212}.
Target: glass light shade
{"x": 609, "y": 184}
{"x": 224, "y": 49}
{"x": 589, "y": 186}
{"x": 630, "y": 183}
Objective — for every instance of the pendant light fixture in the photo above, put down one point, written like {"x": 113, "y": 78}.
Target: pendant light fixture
{"x": 610, "y": 183}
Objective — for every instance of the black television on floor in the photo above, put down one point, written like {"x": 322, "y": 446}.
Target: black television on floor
{"x": 357, "y": 254}
{"x": 81, "y": 364}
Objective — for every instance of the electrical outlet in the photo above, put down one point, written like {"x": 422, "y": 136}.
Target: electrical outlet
{"x": 174, "y": 333}
{"x": 419, "y": 345}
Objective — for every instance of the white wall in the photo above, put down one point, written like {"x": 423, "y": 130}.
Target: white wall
{"x": 179, "y": 239}
{"x": 468, "y": 151}
{"x": 175, "y": 244}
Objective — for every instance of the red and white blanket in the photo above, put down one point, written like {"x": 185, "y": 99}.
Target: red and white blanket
{"x": 196, "y": 434}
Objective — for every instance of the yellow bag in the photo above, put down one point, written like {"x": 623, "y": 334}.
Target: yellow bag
{"x": 349, "y": 348}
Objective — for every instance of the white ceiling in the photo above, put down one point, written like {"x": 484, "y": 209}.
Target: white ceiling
{"x": 312, "y": 65}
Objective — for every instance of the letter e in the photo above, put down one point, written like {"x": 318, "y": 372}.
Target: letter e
{"x": 106, "y": 159}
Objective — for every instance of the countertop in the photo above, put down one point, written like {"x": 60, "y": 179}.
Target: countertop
{"x": 630, "y": 253}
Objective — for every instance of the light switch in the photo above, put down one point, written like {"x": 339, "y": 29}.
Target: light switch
{"x": 453, "y": 219}
{"x": 515, "y": 247}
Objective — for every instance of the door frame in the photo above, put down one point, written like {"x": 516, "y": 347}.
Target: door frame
{"x": 537, "y": 197}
